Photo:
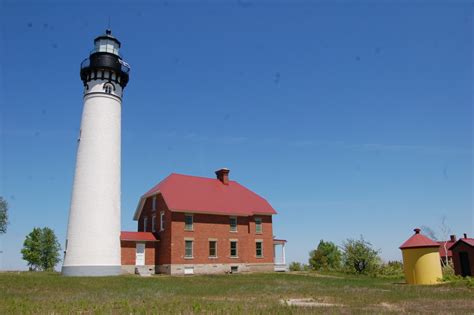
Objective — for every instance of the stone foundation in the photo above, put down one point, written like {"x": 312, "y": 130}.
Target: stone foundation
{"x": 130, "y": 269}
{"x": 179, "y": 269}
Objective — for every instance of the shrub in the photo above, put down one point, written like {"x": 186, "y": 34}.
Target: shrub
{"x": 448, "y": 269}
{"x": 296, "y": 266}
{"x": 392, "y": 269}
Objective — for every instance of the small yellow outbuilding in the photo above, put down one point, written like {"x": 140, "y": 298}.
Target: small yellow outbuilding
{"x": 421, "y": 261}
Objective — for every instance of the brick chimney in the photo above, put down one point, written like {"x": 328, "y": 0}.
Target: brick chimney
{"x": 465, "y": 235}
{"x": 223, "y": 175}
{"x": 452, "y": 238}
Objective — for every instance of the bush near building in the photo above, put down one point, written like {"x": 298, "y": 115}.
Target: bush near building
{"x": 295, "y": 266}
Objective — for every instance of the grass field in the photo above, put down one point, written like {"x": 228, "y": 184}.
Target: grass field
{"x": 241, "y": 293}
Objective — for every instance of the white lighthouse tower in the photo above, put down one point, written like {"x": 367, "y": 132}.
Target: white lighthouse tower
{"x": 93, "y": 236}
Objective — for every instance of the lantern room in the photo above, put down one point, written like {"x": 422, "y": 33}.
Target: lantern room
{"x": 107, "y": 43}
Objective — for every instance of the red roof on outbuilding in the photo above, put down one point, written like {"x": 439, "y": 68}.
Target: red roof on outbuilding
{"x": 418, "y": 240}
{"x": 137, "y": 236}
{"x": 468, "y": 241}
{"x": 184, "y": 193}
{"x": 442, "y": 252}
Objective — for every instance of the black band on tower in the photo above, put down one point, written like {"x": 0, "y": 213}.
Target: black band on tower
{"x": 100, "y": 60}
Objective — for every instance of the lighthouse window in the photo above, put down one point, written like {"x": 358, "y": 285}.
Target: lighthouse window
{"x": 108, "y": 88}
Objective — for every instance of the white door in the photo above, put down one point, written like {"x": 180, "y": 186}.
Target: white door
{"x": 140, "y": 256}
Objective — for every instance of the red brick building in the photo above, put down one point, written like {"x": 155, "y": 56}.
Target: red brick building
{"x": 463, "y": 256}
{"x": 189, "y": 224}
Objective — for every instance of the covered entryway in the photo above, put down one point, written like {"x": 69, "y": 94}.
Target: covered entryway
{"x": 138, "y": 250}
{"x": 279, "y": 256}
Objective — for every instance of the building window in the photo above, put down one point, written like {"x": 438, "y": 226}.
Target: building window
{"x": 153, "y": 203}
{"x": 259, "y": 249}
{"x": 258, "y": 225}
{"x": 153, "y": 223}
{"x": 233, "y": 249}
{"x": 188, "y": 249}
{"x": 145, "y": 223}
{"x": 162, "y": 220}
{"x": 233, "y": 224}
{"x": 212, "y": 248}
{"x": 188, "y": 222}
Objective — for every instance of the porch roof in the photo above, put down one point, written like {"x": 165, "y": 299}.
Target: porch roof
{"x": 138, "y": 236}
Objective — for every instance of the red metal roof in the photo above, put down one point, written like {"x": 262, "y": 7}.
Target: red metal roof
{"x": 442, "y": 252}
{"x": 469, "y": 241}
{"x": 184, "y": 193}
{"x": 418, "y": 240}
{"x": 137, "y": 236}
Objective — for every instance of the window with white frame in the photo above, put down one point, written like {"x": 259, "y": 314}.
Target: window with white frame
{"x": 162, "y": 220}
{"x": 258, "y": 225}
{"x": 233, "y": 224}
{"x": 145, "y": 223}
{"x": 213, "y": 249}
{"x": 188, "y": 222}
{"x": 188, "y": 249}
{"x": 259, "y": 249}
{"x": 153, "y": 223}
{"x": 153, "y": 203}
{"x": 233, "y": 249}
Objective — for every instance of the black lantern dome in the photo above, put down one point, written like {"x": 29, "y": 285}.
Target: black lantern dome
{"x": 105, "y": 62}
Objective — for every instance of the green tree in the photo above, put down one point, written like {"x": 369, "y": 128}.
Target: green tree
{"x": 325, "y": 257}
{"x": 358, "y": 256}
{"x": 3, "y": 215}
{"x": 41, "y": 249}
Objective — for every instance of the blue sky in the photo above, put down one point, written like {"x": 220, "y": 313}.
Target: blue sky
{"x": 351, "y": 118}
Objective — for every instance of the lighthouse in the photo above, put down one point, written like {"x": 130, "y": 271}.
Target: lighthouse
{"x": 93, "y": 235}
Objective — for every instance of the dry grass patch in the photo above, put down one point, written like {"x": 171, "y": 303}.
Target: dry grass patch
{"x": 308, "y": 302}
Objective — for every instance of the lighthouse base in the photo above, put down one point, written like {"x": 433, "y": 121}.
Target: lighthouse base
{"x": 91, "y": 271}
